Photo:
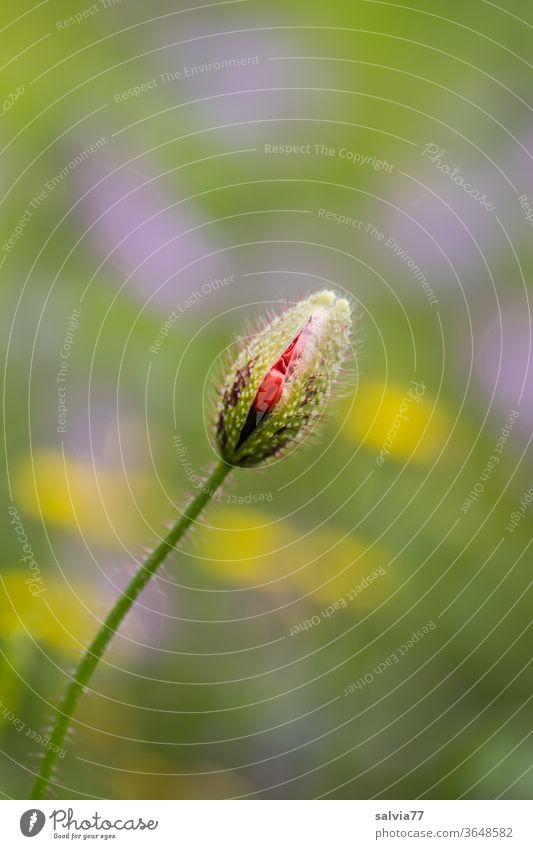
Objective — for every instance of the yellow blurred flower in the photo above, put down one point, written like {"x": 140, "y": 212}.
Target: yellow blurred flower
{"x": 73, "y": 494}
{"x": 55, "y": 617}
{"x": 252, "y": 548}
{"x": 397, "y": 421}
{"x": 238, "y": 546}
{"x": 339, "y": 565}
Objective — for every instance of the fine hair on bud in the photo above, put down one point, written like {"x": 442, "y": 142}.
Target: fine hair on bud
{"x": 280, "y": 380}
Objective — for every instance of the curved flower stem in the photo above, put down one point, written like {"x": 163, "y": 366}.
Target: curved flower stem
{"x": 92, "y": 655}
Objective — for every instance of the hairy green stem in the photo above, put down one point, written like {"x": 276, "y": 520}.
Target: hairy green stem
{"x": 92, "y": 655}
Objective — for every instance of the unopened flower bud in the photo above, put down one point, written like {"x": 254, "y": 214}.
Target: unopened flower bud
{"x": 281, "y": 379}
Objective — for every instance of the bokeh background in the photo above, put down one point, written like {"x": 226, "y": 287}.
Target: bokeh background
{"x": 147, "y": 216}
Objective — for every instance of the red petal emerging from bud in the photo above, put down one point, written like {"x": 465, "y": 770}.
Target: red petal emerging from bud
{"x": 274, "y": 382}
{"x": 281, "y": 379}
{"x": 271, "y": 388}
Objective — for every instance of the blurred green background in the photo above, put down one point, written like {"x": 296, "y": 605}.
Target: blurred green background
{"x": 168, "y": 174}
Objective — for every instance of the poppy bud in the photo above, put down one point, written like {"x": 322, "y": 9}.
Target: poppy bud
{"x": 281, "y": 379}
